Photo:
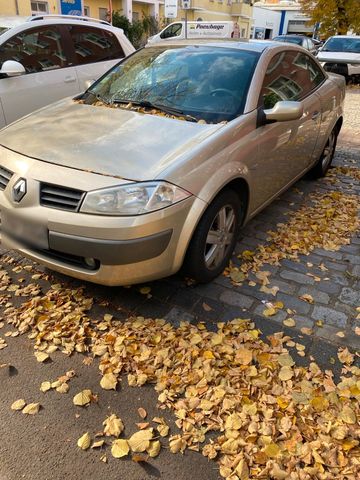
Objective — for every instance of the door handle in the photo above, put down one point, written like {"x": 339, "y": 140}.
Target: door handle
{"x": 315, "y": 115}
{"x": 69, "y": 79}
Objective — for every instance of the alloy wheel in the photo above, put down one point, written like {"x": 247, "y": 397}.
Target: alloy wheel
{"x": 219, "y": 237}
{"x": 328, "y": 151}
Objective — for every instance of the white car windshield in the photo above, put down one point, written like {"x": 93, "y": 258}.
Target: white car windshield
{"x": 200, "y": 82}
{"x": 351, "y": 45}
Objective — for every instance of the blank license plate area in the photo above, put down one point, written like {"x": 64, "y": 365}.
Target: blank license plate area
{"x": 25, "y": 231}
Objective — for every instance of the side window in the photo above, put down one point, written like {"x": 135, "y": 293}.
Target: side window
{"x": 94, "y": 45}
{"x": 310, "y": 74}
{"x": 172, "y": 31}
{"x": 38, "y": 50}
{"x": 289, "y": 76}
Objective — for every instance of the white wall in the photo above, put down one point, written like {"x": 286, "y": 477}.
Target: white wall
{"x": 266, "y": 19}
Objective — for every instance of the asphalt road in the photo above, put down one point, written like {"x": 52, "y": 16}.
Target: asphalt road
{"x": 44, "y": 446}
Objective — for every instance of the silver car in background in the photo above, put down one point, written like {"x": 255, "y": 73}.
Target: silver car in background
{"x": 341, "y": 54}
{"x": 160, "y": 162}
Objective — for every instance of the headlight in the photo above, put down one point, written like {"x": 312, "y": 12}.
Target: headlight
{"x": 133, "y": 199}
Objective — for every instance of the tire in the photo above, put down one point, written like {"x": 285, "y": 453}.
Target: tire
{"x": 205, "y": 260}
{"x": 324, "y": 162}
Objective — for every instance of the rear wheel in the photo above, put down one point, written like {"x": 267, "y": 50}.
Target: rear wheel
{"x": 215, "y": 237}
{"x": 324, "y": 162}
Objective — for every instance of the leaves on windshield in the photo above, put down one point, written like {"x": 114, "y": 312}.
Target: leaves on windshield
{"x": 140, "y": 109}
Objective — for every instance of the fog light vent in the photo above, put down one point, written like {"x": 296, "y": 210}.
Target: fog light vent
{"x": 90, "y": 262}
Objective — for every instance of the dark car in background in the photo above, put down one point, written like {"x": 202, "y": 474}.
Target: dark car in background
{"x": 301, "y": 40}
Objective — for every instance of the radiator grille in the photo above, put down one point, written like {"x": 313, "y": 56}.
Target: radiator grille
{"x": 5, "y": 176}
{"x": 62, "y": 198}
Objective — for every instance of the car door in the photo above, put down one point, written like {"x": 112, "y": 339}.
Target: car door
{"x": 95, "y": 50}
{"x": 285, "y": 149}
{"x": 48, "y": 78}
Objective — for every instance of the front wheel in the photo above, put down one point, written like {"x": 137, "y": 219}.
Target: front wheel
{"x": 215, "y": 237}
{"x": 324, "y": 162}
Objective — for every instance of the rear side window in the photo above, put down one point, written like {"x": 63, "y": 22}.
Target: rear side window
{"x": 38, "y": 50}
{"x": 289, "y": 76}
{"x": 93, "y": 45}
{"x": 172, "y": 31}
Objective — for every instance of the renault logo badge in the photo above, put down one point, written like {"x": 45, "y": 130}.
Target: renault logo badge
{"x": 19, "y": 190}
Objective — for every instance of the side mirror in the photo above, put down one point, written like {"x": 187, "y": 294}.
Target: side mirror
{"x": 11, "y": 68}
{"x": 284, "y": 111}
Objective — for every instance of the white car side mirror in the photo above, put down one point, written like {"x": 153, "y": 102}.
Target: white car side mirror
{"x": 11, "y": 68}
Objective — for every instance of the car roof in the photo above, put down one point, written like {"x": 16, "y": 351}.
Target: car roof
{"x": 241, "y": 44}
{"x": 345, "y": 36}
{"x": 10, "y": 22}
{"x": 17, "y": 20}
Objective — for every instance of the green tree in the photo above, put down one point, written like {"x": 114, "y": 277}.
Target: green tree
{"x": 336, "y": 17}
{"x": 138, "y": 30}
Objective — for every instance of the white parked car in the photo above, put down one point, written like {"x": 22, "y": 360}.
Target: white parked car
{"x": 341, "y": 54}
{"x": 46, "y": 58}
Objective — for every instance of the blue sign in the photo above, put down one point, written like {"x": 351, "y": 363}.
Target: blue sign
{"x": 71, "y": 7}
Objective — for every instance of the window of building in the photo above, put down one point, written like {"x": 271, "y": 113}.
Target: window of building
{"x": 37, "y": 50}
{"x": 39, "y": 8}
{"x": 103, "y": 14}
{"x": 94, "y": 44}
{"x": 87, "y": 11}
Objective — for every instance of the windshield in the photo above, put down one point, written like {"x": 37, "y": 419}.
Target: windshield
{"x": 204, "y": 83}
{"x": 334, "y": 44}
{"x": 296, "y": 40}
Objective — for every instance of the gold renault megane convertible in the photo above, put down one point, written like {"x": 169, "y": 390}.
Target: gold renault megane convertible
{"x": 163, "y": 159}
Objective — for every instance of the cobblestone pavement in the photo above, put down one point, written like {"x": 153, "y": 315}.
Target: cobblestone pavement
{"x": 336, "y": 298}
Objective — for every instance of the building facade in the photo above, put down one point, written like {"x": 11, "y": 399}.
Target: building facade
{"x": 239, "y": 11}
{"x": 292, "y": 19}
{"x": 93, "y": 8}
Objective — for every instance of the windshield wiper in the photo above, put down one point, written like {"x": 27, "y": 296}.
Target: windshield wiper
{"x": 99, "y": 97}
{"x": 162, "y": 108}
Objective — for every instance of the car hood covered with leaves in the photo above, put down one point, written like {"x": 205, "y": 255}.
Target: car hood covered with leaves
{"x": 109, "y": 141}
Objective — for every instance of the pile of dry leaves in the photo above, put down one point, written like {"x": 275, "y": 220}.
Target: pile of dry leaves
{"x": 328, "y": 223}
{"x": 273, "y": 420}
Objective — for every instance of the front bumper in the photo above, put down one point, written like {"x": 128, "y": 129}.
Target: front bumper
{"x": 345, "y": 69}
{"x": 99, "y": 249}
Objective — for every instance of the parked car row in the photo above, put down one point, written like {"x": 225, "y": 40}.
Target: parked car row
{"x": 159, "y": 163}
{"x": 339, "y": 54}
